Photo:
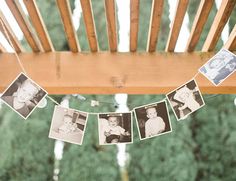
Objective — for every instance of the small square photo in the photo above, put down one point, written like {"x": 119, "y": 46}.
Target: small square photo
{"x": 185, "y": 99}
{"x": 68, "y": 125}
{"x": 115, "y": 128}
{"x": 23, "y": 95}
{"x": 219, "y": 67}
{"x": 152, "y": 120}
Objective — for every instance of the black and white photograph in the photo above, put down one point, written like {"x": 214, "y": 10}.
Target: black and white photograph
{"x": 152, "y": 120}
{"x": 185, "y": 99}
{"x": 68, "y": 125}
{"x": 23, "y": 95}
{"x": 115, "y": 128}
{"x": 219, "y": 67}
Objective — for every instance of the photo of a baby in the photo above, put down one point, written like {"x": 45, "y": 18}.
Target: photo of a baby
{"x": 185, "y": 99}
{"x": 219, "y": 67}
{"x": 152, "y": 120}
{"x": 115, "y": 128}
{"x": 68, "y": 125}
{"x": 23, "y": 95}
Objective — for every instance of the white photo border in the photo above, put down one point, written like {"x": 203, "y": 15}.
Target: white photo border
{"x": 168, "y": 115}
{"x": 179, "y": 119}
{"x": 65, "y": 140}
{"x": 131, "y": 124}
{"x": 12, "y": 82}
{"x": 210, "y": 60}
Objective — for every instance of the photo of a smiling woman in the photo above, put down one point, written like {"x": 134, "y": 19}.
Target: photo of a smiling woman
{"x": 23, "y": 95}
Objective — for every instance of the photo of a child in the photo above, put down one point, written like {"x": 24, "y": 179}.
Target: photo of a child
{"x": 185, "y": 99}
{"x": 23, "y": 95}
{"x": 115, "y": 128}
{"x": 219, "y": 67}
{"x": 155, "y": 124}
{"x": 156, "y": 118}
{"x": 68, "y": 125}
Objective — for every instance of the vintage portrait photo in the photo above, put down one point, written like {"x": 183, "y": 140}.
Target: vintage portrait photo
{"x": 68, "y": 125}
{"x": 115, "y": 128}
{"x": 152, "y": 120}
{"x": 185, "y": 99}
{"x": 23, "y": 95}
{"x": 219, "y": 67}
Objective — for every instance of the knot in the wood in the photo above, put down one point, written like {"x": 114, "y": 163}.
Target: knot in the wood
{"x": 118, "y": 82}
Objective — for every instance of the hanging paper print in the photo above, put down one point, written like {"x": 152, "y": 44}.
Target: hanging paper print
{"x": 219, "y": 67}
{"x": 185, "y": 99}
{"x": 115, "y": 128}
{"x": 68, "y": 125}
{"x": 23, "y": 95}
{"x": 152, "y": 120}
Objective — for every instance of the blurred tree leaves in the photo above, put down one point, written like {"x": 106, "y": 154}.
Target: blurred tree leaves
{"x": 90, "y": 161}
{"x": 214, "y": 131}
{"x": 166, "y": 157}
{"x": 26, "y": 152}
{"x": 200, "y": 148}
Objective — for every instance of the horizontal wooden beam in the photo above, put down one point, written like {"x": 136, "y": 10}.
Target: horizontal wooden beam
{"x": 109, "y": 73}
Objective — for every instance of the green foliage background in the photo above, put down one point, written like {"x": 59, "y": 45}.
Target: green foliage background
{"x": 200, "y": 148}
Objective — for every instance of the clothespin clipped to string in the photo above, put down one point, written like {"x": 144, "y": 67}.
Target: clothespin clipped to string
{"x": 80, "y": 97}
{"x": 94, "y": 103}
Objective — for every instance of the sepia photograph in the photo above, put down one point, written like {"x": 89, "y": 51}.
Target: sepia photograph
{"x": 68, "y": 125}
{"x": 219, "y": 67}
{"x": 152, "y": 120}
{"x": 115, "y": 128}
{"x": 108, "y": 66}
{"x": 23, "y": 95}
{"x": 185, "y": 99}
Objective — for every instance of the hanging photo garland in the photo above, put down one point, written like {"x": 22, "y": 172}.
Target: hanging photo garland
{"x": 23, "y": 95}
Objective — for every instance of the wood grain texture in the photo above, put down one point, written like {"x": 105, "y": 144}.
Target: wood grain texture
{"x": 218, "y": 24}
{"x": 111, "y": 24}
{"x": 39, "y": 25}
{"x": 89, "y": 24}
{"x": 15, "y": 42}
{"x": 134, "y": 23}
{"x": 198, "y": 23}
{"x": 65, "y": 12}
{"x": 132, "y": 73}
{"x": 231, "y": 42}
{"x": 2, "y": 48}
{"x": 155, "y": 23}
{"x": 24, "y": 24}
{"x": 180, "y": 11}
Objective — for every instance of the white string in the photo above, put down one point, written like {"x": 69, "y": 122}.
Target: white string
{"x": 96, "y": 113}
{"x": 17, "y": 57}
{"x": 21, "y": 65}
{"x": 11, "y": 44}
{"x": 93, "y": 113}
{"x": 195, "y": 75}
{"x": 53, "y": 100}
{"x": 23, "y": 69}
